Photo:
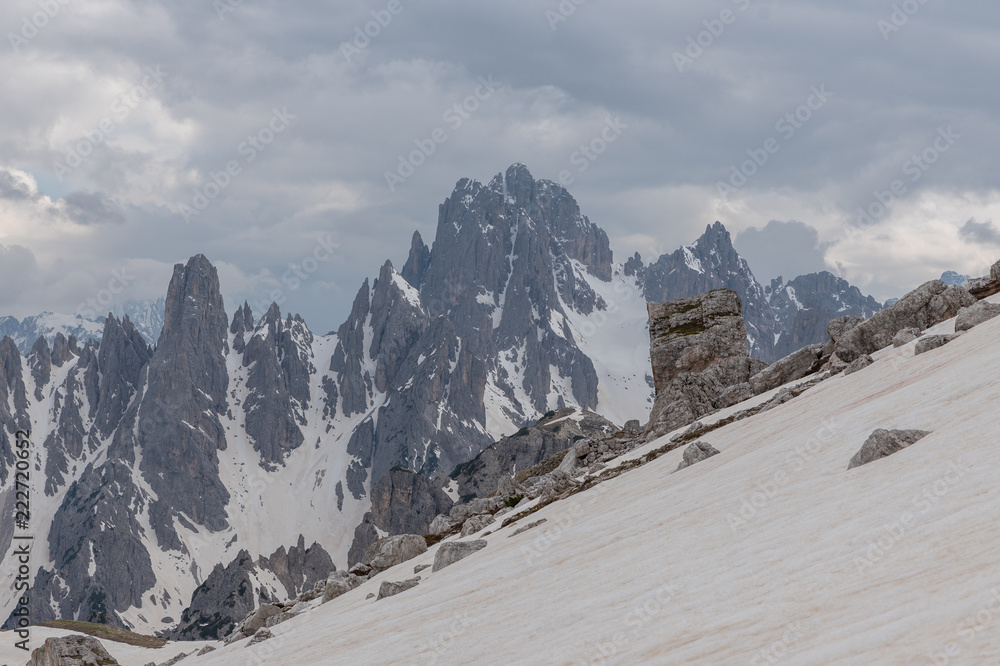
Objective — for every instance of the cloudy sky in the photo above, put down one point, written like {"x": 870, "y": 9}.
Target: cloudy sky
{"x": 136, "y": 133}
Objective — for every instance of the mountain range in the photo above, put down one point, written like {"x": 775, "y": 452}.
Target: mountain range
{"x": 238, "y": 435}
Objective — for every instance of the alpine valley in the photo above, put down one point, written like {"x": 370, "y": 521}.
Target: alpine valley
{"x": 245, "y": 451}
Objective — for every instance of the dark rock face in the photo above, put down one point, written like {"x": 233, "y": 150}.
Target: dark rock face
{"x": 220, "y": 603}
{"x": 365, "y": 535}
{"x": 404, "y": 502}
{"x": 278, "y": 356}
{"x": 122, "y": 360}
{"x": 884, "y": 443}
{"x": 418, "y": 261}
{"x": 804, "y": 306}
{"x": 712, "y": 263}
{"x": 40, "y": 362}
{"x": 13, "y": 405}
{"x": 179, "y": 430}
{"x": 925, "y": 306}
{"x": 698, "y": 348}
{"x": 555, "y": 432}
{"x": 299, "y": 568}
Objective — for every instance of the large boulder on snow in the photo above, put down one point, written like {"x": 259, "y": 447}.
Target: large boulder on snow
{"x": 477, "y": 523}
{"x": 974, "y": 315}
{"x": 72, "y": 651}
{"x": 697, "y": 452}
{"x": 906, "y": 336}
{"x": 453, "y": 551}
{"x": 986, "y": 286}
{"x": 390, "y": 551}
{"x": 858, "y": 364}
{"x": 929, "y": 304}
{"x": 882, "y": 443}
{"x": 392, "y": 588}
{"x": 929, "y": 342}
{"x": 339, "y": 583}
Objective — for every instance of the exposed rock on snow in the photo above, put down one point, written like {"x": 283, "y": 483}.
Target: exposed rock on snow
{"x": 394, "y": 550}
{"x": 72, "y": 651}
{"x": 339, "y": 583}
{"x": 477, "y": 523}
{"x": 882, "y": 443}
{"x": 975, "y": 314}
{"x": 794, "y": 366}
{"x": 929, "y": 304}
{"x": 930, "y": 342}
{"x": 453, "y": 551}
{"x": 986, "y": 286}
{"x": 262, "y": 635}
{"x": 697, "y": 452}
{"x": 529, "y": 526}
{"x": 906, "y": 336}
{"x": 860, "y": 363}
{"x": 440, "y": 524}
{"x": 392, "y": 588}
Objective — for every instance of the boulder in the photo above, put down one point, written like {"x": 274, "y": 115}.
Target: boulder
{"x": 390, "y": 551}
{"x": 420, "y": 567}
{"x": 860, "y": 363}
{"x": 477, "y": 523}
{"x": 525, "y": 528}
{"x": 929, "y": 304}
{"x": 339, "y": 583}
{"x": 360, "y": 570}
{"x": 205, "y": 650}
{"x": 72, "y": 651}
{"x": 278, "y": 619}
{"x": 175, "y": 659}
{"x": 906, "y": 336}
{"x": 453, "y": 551}
{"x": 794, "y": 366}
{"x": 261, "y": 636}
{"x": 259, "y": 618}
{"x": 929, "y": 342}
{"x": 392, "y": 588}
{"x": 975, "y": 314}
{"x": 697, "y": 452}
{"x": 882, "y": 443}
{"x": 633, "y": 427}
{"x": 481, "y": 505}
{"x": 986, "y": 286}
{"x": 838, "y": 327}
{"x": 734, "y": 395}
{"x": 440, "y": 524}
{"x": 509, "y": 487}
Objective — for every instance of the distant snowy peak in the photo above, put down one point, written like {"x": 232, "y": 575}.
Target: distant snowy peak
{"x": 954, "y": 278}
{"x": 146, "y": 315}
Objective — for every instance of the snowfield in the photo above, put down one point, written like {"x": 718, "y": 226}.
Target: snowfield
{"x": 771, "y": 552}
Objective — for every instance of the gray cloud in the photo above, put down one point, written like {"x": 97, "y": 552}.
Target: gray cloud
{"x": 788, "y": 249}
{"x": 326, "y": 172}
{"x": 980, "y": 232}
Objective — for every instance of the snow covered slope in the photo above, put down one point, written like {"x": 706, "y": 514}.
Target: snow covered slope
{"x": 769, "y": 552}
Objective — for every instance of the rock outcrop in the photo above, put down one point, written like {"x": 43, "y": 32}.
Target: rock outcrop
{"x": 929, "y": 304}
{"x": 882, "y": 443}
{"x": 392, "y": 588}
{"x": 698, "y": 350}
{"x": 405, "y": 502}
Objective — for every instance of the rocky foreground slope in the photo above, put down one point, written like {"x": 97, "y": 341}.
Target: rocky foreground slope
{"x": 809, "y": 528}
